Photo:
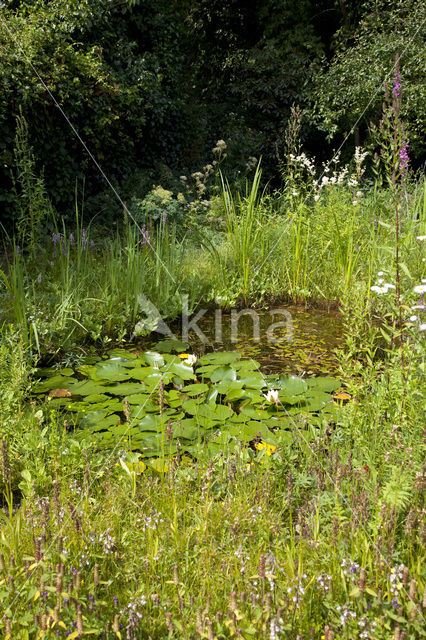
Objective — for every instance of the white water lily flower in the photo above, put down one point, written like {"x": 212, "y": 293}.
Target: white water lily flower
{"x": 420, "y": 288}
{"x": 191, "y": 359}
{"x": 271, "y": 396}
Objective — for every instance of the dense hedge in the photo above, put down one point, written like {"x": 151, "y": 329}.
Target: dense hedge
{"x": 150, "y": 85}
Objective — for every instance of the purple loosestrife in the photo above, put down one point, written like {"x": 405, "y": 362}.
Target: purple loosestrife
{"x": 84, "y": 239}
{"x": 56, "y": 238}
{"x": 145, "y": 237}
{"x": 396, "y": 91}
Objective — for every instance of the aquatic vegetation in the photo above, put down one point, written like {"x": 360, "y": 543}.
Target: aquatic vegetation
{"x": 160, "y": 403}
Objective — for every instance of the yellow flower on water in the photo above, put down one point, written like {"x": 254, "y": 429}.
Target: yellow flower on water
{"x": 270, "y": 449}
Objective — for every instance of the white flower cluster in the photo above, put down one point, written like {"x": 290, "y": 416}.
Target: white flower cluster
{"x": 366, "y": 628}
{"x": 350, "y": 568}
{"x": 239, "y": 553}
{"x": 345, "y": 614}
{"x": 151, "y": 522}
{"x": 381, "y": 286}
{"x": 324, "y": 582}
{"x": 297, "y": 591}
{"x": 304, "y": 161}
{"x": 395, "y": 579}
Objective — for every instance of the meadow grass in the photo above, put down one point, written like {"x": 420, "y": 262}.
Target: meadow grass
{"x": 322, "y": 539}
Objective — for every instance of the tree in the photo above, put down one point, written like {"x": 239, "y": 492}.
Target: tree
{"x": 349, "y": 89}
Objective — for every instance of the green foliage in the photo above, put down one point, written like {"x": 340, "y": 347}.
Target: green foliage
{"x": 348, "y": 91}
{"x": 35, "y": 210}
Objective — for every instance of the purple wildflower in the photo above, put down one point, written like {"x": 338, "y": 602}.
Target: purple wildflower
{"x": 18, "y": 250}
{"x": 395, "y": 602}
{"x": 145, "y": 236}
{"x": 56, "y": 238}
{"x": 403, "y": 158}
{"x": 71, "y": 238}
{"x": 84, "y": 239}
{"x": 396, "y": 91}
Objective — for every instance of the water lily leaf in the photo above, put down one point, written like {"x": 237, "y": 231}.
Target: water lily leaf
{"x": 55, "y": 382}
{"x": 169, "y": 346}
{"x": 223, "y": 373}
{"x": 195, "y": 389}
{"x": 139, "y": 398}
{"x": 121, "y": 355}
{"x": 87, "y": 388}
{"x": 96, "y": 397}
{"x": 183, "y": 371}
{"x": 188, "y": 429}
{"x": 110, "y": 371}
{"x": 173, "y": 398}
{"x": 292, "y": 385}
{"x": 211, "y": 411}
{"x": 142, "y": 372}
{"x": 220, "y": 357}
{"x": 323, "y": 384}
{"x": 152, "y": 357}
{"x": 125, "y": 389}
{"x": 58, "y": 402}
{"x": 98, "y": 421}
{"x": 235, "y": 394}
{"x": 152, "y": 422}
{"x": 246, "y": 365}
{"x": 286, "y": 398}
{"x": 256, "y": 414}
{"x": 254, "y": 380}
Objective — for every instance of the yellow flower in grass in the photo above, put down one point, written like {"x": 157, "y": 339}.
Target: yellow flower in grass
{"x": 270, "y": 449}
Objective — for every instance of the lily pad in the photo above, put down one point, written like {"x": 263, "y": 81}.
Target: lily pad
{"x": 169, "y": 346}
{"x": 220, "y": 357}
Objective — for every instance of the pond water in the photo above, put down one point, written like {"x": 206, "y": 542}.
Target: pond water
{"x": 246, "y": 377}
{"x": 305, "y": 344}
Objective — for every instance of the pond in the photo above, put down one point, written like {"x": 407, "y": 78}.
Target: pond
{"x": 305, "y": 345}
{"x": 243, "y": 388}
